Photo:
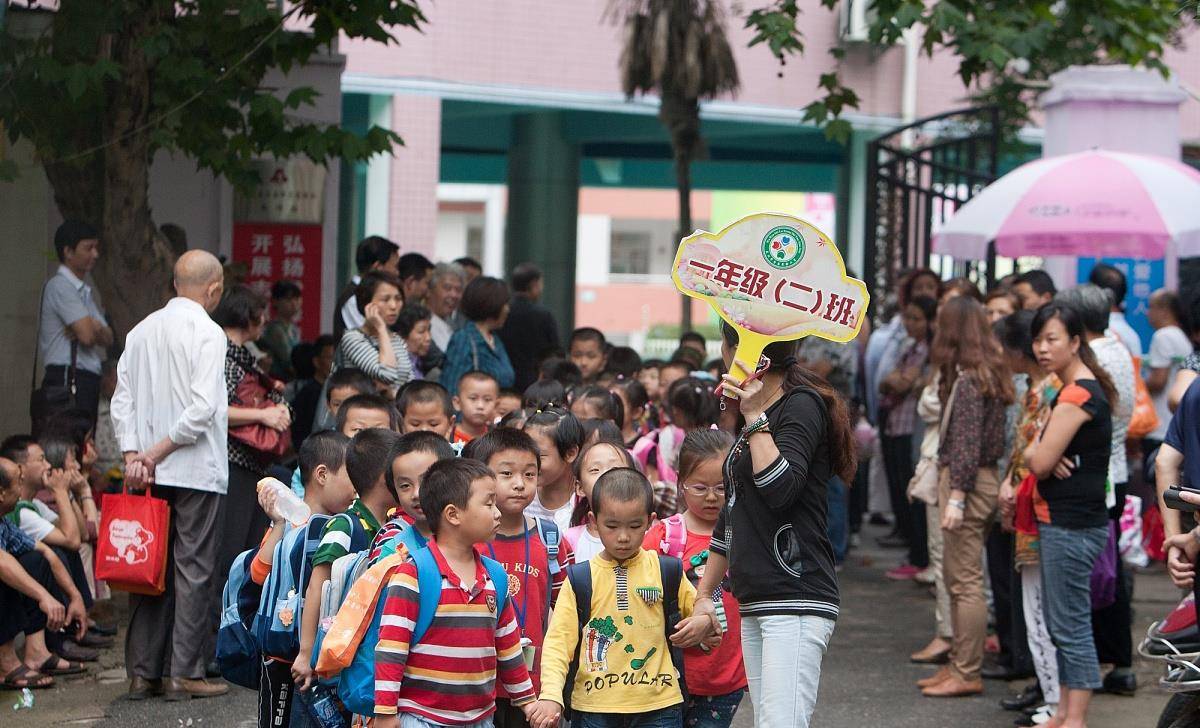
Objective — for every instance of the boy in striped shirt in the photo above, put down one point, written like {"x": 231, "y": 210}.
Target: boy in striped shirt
{"x": 450, "y": 678}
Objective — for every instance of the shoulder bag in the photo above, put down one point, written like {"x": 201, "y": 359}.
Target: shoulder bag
{"x": 924, "y": 484}
{"x": 51, "y": 397}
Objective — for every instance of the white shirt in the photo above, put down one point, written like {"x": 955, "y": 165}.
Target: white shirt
{"x": 560, "y": 515}
{"x": 1168, "y": 348}
{"x": 1114, "y": 358}
{"x": 350, "y": 314}
{"x": 441, "y": 331}
{"x": 586, "y": 547}
{"x": 37, "y": 522}
{"x": 1118, "y": 326}
{"x": 171, "y": 383}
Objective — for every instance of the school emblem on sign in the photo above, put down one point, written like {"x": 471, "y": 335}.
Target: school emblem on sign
{"x": 491, "y": 603}
{"x": 783, "y": 247}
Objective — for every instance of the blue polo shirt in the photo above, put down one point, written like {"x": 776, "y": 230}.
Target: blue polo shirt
{"x": 1183, "y": 433}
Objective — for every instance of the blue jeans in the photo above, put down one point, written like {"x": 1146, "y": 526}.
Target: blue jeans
{"x": 711, "y": 711}
{"x": 838, "y": 524}
{"x": 412, "y": 720}
{"x": 665, "y": 718}
{"x": 1067, "y": 558}
{"x": 783, "y": 656}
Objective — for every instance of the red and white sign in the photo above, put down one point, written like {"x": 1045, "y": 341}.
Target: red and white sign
{"x": 273, "y": 251}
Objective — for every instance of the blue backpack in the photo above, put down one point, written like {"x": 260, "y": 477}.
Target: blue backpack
{"x": 238, "y": 653}
{"x": 277, "y": 620}
{"x": 356, "y": 684}
{"x": 331, "y": 599}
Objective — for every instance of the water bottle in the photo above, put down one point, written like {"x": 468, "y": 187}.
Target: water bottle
{"x": 287, "y": 503}
{"x": 324, "y": 707}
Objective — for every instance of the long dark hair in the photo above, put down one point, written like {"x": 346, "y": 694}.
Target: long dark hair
{"x": 1073, "y": 323}
{"x": 843, "y": 453}
{"x": 964, "y": 343}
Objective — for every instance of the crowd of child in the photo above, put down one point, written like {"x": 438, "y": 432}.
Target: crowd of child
{"x": 487, "y": 558}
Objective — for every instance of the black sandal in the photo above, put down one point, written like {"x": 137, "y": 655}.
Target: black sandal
{"x": 72, "y": 668}
{"x": 24, "y": 677}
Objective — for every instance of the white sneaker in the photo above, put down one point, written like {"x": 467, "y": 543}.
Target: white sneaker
{"x": 1044, "y": 714}
{"x": 926, "y": 576}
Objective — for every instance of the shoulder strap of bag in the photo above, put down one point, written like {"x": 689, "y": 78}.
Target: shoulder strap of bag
{"x": 945, "y": 423}
{"x": 429, "y": 586}
{"x": 670, "y": 570}
{"x": 580, "y": 576}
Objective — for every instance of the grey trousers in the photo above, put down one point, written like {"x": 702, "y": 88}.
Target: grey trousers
{"x": 169, "y": 634}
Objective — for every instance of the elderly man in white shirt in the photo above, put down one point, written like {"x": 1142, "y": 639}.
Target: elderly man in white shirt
{"x": 170, "y": 415}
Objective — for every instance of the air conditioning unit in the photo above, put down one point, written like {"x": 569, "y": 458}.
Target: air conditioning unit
{"x": 855, "y": 20}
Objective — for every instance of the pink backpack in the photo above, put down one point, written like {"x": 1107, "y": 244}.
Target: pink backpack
{"x": 665, "y": 441}
{"x": 674, "y": 536}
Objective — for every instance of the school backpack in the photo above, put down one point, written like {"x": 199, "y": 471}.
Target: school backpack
{"x": 356, "y": 684}
{"x": 238, "y": 653}
{"x": 670, "y": 571}
{"x": 664, "y": 443}
{"x": 353, "y": 617}
{"x": 674, "y": 536}
{"x": 342, "y": 574}
{"x": 277, "y": 621}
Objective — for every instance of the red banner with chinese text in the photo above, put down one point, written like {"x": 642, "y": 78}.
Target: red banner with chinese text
{"x": 282, "y": 251}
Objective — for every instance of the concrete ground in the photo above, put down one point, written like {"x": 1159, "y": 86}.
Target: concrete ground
{"x": 867, "y": 679}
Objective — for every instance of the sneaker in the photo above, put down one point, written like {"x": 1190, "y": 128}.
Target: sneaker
{"x": 903, "y": 572}
{"x": 926, "y": 576}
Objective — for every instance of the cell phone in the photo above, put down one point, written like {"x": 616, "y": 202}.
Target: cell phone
{"x": 1173, "y": 501}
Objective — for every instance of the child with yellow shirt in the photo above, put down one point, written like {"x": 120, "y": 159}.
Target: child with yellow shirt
{"x": 611, "y": 660}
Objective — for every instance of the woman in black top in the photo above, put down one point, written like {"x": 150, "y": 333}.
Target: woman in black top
{"x": 1070, "y": 460}
{"x": 772, "y": 534}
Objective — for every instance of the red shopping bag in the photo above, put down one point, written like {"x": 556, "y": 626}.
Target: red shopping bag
{"x": 131, "y": 546}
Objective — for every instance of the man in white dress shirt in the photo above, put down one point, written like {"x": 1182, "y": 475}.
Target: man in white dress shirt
{"x": 170, "y": 412}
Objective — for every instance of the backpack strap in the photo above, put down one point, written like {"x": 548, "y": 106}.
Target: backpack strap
{"x": 412, "y": 540}
{"x": 674, "y": 537}
{"x": 429, "y": 585}
{"x": 670, "y": 570}
{"x": 580, "y": 577}
{"x": 552, "y": 538}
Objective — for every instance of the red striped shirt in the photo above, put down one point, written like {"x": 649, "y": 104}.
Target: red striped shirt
{"x": 450, "y": 676}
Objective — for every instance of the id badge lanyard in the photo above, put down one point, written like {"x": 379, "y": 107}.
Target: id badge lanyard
{"x": 524, "y": 582}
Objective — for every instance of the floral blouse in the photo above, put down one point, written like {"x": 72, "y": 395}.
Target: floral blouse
{"x": 1035, "y": 412}
{"x": 974, "y": 435}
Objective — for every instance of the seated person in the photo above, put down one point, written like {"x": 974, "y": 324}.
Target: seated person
{"x": 34, "y": 587}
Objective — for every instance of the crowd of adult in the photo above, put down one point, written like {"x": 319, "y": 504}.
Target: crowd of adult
{"x": 1000, "y": 435}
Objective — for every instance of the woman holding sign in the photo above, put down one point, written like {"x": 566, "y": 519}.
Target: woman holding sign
{"x": 771, "y": 535}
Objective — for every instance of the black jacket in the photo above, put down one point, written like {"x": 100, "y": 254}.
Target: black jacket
{"x": 528, "y": 333}
{"x": 773, "y": 528}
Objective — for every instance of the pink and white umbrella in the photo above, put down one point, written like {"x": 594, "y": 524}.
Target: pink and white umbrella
{"x": 1094, "y": 203}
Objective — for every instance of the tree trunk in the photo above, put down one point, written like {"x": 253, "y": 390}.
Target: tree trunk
{"x": 134, "y": 271}
{"x": 681, "y": 116}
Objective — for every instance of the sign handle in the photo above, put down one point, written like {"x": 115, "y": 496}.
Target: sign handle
{"x": 747, "y": 358}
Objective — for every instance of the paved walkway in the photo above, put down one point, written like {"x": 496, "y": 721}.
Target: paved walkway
{"x": 867, "y": 679}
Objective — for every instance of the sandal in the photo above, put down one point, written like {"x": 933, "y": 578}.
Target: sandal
{"x": 23, "y": 677}
{"x": 72, "y": 668}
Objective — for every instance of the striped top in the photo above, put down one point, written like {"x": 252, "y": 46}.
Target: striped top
{"x": 359, "y": 350}
{"x": 450, "y": 677}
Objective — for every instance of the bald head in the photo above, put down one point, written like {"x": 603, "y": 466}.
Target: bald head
{"x": 197, "y": 268}
{"x": 200, "y": 277}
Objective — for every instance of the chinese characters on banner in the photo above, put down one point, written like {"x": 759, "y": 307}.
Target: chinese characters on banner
{"x": 1142, "y": 277}
{"x": 773, "y": 277}
{"x": 281, "y": 251}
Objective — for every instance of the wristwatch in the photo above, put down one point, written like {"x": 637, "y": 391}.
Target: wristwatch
{"x": 960, "y": 505}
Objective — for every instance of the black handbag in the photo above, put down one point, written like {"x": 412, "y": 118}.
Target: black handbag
{"x": 53, "y": 396}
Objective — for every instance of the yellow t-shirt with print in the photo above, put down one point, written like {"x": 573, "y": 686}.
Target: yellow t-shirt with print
{"x": 624, "y": 660}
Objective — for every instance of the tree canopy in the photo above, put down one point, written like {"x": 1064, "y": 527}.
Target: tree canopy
{"x": 1005, "y": 50}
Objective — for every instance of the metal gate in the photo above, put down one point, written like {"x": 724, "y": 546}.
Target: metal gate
{"x": 917, "y": 176}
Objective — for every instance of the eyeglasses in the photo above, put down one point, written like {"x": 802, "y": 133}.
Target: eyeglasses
{"x": 701, "y": 491}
